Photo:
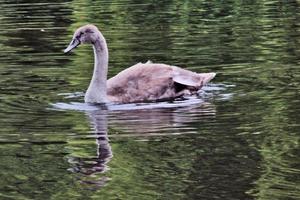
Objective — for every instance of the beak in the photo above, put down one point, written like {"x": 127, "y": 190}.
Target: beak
{"x": 73, "y": 44}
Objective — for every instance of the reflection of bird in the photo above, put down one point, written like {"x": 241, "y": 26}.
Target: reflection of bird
{"x": 139, "y": 124}
{"x": 141, "y": 82}
{"x": 90, "y": 166}
{"x": 161, "y": 121}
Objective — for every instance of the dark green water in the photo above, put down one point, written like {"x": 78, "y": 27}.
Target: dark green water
{"x": 240, "y": 140}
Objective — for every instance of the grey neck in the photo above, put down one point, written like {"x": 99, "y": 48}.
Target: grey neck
{"x": 97, "y": 92}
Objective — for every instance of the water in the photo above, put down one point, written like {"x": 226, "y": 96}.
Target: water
{"x": 238, "y": 140}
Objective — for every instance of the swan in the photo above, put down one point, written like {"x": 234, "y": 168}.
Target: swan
{"x": 139, "y": 83}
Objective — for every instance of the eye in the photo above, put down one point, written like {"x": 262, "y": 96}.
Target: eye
{"x": 79, "y": 35}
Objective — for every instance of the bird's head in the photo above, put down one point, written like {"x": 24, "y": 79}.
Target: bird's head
{"x": 85, "y": 34}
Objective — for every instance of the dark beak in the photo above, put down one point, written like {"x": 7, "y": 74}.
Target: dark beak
{"x": 73, "y": 44}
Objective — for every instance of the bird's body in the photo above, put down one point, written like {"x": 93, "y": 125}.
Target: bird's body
{"x": 139, "y": 83}
{"x": 153, "y": 81}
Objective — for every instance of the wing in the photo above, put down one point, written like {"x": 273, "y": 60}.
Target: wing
{"x": 141, "y": 82}
{"x": 189, "y": 78}
{"x": 149, "y": 81}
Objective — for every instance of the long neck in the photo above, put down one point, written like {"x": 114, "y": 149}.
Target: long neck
{"x": 96, "y": 92}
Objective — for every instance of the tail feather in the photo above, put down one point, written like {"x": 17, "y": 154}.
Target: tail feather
{"x": 206, "y": 77}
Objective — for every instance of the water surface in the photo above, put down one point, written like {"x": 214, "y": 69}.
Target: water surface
{"x": 239, "y": 139}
